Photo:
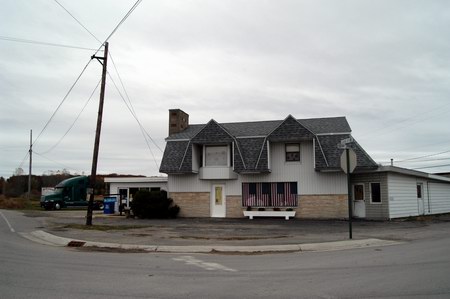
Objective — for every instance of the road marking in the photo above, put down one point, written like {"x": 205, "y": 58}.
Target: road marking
{"x": 190, "y": 260}
{"x": 7, "y": 222}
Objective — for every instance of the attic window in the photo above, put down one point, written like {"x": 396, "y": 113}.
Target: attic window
{"x": 292, "y": 152}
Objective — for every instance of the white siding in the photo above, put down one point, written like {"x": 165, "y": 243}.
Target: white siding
{"x": 402, "y": 192}
{"x": 115, "y": 186}
{"x": 309, "y": 180}
{"x": 439, "y": 197}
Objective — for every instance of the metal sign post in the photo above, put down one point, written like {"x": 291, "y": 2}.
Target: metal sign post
{"x": 348, "y": 165}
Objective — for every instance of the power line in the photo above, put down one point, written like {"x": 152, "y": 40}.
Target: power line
{"x": 73, "y": 123}
{"x": 24, "y": 159}
{"x": 140, "y": 125}
{"x": 85, "y": 67}
{"x": 421, "y": 161}
{"x": 133, "y": 113}
{"x": 29, "y": 41}
{"x": 124, "y": 18}
{"x": 60, "y": 164}
{"x": 435, "y": 166}
{"x": 406, "y": 120}
{"x": 426, "y": 156}
{"x": 88, "y": 31}
{"x": 63, "y": 100}
{"x": 131, "y": 104}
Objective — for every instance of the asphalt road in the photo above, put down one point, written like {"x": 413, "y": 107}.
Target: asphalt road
{"x": 417, "y": 269}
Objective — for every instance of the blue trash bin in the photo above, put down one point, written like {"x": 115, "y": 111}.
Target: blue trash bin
{"x": 108, "y": 205}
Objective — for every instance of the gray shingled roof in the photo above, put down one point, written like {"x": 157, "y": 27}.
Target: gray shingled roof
{"x": 263, "y": 128}
{"x": 250, "y": 139}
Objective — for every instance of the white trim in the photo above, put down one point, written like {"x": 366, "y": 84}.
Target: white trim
{"x": 136, "y": 180}
{"x": 232, "y": 153}
{"x": 172, "y": 140}
{"x": 332, "y": 134}
{"x": 223, "y": 212}
{"x": 249, "y": 137}
{"x": 269, "y": 161}
{"x": 370, "y": 194}
{"x": 323, "y": 154}
{"x": 314, "y": 152}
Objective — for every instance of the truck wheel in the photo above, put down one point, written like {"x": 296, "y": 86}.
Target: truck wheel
{"x": 57, "y": 206}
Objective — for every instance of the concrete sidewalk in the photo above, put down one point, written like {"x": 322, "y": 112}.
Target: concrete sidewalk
{"x": 225, "y": 235}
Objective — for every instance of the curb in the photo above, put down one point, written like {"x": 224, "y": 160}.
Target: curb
{"x": 45, "y": 238}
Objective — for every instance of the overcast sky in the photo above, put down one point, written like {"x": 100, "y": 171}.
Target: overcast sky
{"x": 385, "y": 65}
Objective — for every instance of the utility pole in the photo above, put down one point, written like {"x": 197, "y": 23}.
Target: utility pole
{"x": 103, "y": 60}
{"x": 29, "y": 167}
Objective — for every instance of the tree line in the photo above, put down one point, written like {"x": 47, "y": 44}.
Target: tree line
{"x": 17, "y": 185}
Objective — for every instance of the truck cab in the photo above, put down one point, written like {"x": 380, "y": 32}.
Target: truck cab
{"x": 69, "y": 193}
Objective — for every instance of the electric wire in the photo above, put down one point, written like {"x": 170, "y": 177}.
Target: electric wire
{"x": 73, "y": 123}
{"x": 139, "y": 123}
{"x": 60, "y": 164}
{"x": 76, "y": 20}
{"x": 434, "y": 166}
{"x": 413, "y": 119}
{"x": 131, "y": 104}
{"x": 24, "y": 159}
{"x": 29, "y": 41}
{"x": 83, "y": 70}
{"x": 62, "y": 102}
{"x": 421, "y": 161}
{"x": 426, "y": 156}
{"x": 124, "y": 18}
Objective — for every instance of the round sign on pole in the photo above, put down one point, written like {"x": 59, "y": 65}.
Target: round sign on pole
{"x": 352, "y": 159}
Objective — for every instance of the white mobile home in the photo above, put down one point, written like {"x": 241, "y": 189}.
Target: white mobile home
{"x": 393, "y": 192}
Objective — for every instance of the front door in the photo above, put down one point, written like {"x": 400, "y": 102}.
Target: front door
{"x": 359, "y": 203}
{"x": 218, "y": 201}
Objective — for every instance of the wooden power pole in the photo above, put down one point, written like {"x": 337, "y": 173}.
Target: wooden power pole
{"x": 103, "y": 60}
{"x": 29, "y": 167}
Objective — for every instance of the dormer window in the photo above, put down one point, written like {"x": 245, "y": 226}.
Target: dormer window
{"x": 216, "y": 155}
{"x": 292, "y": 152}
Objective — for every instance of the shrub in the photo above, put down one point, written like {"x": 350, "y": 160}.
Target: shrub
{"x": 153, "y": 204}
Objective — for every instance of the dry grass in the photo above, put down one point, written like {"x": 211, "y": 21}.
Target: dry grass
{"x": 18, "y": 203}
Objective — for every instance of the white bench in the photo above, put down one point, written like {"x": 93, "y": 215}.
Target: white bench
{"x": 285, "y": 214}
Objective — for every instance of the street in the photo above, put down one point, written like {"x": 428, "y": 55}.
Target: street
{"x": 416, "y": 269}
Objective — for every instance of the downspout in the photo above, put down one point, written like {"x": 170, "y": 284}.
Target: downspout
{"x": 428, "y": 195}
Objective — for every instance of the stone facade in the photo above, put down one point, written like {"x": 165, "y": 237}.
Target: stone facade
{"x": 197, "y": 204}
{"x": 192, "y": 204}
{"x": 322, "y": 206}
{"x": 234, "y": 207}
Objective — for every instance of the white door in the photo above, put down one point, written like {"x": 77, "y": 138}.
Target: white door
{"x": 218, "y": 201}
{"x": 359, "y": 203}
{"x": 420, "y": 201}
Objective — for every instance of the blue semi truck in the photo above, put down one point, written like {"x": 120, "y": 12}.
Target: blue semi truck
{"x": 69, "y": 193}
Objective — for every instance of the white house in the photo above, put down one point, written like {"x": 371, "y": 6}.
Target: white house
{"x": 220, "y": 170}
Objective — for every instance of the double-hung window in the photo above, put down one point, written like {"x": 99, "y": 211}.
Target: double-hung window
{"x": 292, "y": 152}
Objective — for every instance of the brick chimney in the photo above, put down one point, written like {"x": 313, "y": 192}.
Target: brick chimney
{"x": 178, "y": 121}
